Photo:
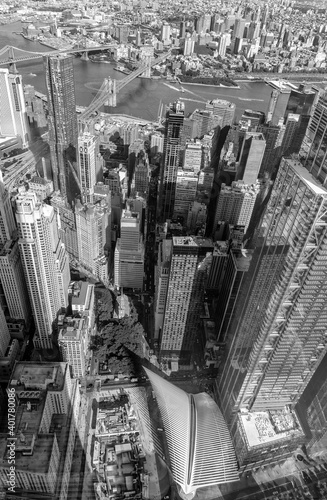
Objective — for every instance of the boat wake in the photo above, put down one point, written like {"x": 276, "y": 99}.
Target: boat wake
{"x": 192, "y": 100}
{"x": 171, "y": 87}
{"x": 248, "y": 99}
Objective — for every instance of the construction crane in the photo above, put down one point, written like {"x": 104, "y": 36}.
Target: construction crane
{"x": 110, "y": 88}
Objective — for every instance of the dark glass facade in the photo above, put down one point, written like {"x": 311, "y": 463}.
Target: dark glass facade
{"x": 62, "y": 122}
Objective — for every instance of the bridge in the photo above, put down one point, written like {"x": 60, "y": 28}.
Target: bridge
{"x": 10, "y": 55}
{"x": 107, "y": 94}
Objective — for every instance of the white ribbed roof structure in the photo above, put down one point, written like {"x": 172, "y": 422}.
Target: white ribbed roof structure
{"x": 200, "y": 447}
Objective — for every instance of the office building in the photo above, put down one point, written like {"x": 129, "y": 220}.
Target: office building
{"x": 161, "y": 284}
{"x": 301, "y": 101}
{"x": 73, "y": 341}
{"x": 313, "y": 149}
{"x": 188, "y": 46}
{"x": 186, "y": 189}
{"x": 250, "y": 157}
{"x": 46, "y": 421}
{"x": 187, "y": 281}
{"x": 4, "y": 335}
{"x": 237, "y": 264}
{"x": 93, "y": 223}
{"x": 254, "y": 117}
{"x": 273, "y": 135}
{"x": 239, "y": 27}
{"x": 224, "y": 109}
{"x": 66, "y": 224}
{"x": 203, "y": 122}
{"x": 82, "y": 299}
{"x": 45, "y": 264}
{"x": 200, "y": 450}
{"x": 192, "y": 156}
{"x": 223, "y": 44}
{"x": 165, "y": 32}
{"x": 87, "y": 152}
{"x": 123, "y": 33}
{"x": 141, "y": 178}
{"x": 278, "y": 327}
{"x": 197, "y": 216}
{"x": 278, "y": 103}
{"x": 42, "y": 187}
{"x": 129, "y": 252}
{"x": 292, "y": 124}
{"x": 13, "y": 116}
{"x": 7, "y": 219}
{"x": 172, "y": 158}
{"x": 157, "y": 143}
{"x": 13, "y": 282}
{"x": 218, "y": 265}
{"x": 235, "y": 204}
{"x": 62, "y": 123}
{"x": 138, "y": 205}
{"x": 182, "y": 29}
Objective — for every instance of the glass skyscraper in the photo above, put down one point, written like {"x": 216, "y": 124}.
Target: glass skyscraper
{"x": 278, "y": 335}
{"x": 172, "y": 158}
{"x": 62, "y": 122}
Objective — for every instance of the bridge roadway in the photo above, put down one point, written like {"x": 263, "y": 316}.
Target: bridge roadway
{"x": 107, "y": 90}
{"x": 36, "y": 55}
{"x": 24, "y": 164}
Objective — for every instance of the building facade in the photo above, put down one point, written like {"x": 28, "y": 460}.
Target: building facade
{"x": 278, "y": 340}
{"x": 62, "y": 123}
{"x": 172, "y": 158}
{"x": 13, "y": 116}
{"x": 129, "y": 252}
{"x": 45, "y": 264}
{"x": 187, "y": 280}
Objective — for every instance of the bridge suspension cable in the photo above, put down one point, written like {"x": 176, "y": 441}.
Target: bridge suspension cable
{"x": 110, "y": 88}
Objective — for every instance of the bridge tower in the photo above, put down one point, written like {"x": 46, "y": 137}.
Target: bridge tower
{"x": 112, "y": 93}
{"x": 11, "y": 57}
{"x": 147, "y": 72}
{"x": 85, "y": 56}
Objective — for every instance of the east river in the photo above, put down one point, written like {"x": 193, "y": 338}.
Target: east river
{"x": 141, "y": 98}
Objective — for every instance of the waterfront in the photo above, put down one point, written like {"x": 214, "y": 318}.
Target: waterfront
{"x": 141, "y": 98}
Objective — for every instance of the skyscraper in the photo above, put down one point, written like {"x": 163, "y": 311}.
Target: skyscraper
{"x": 313, "y": 149}
{"x": 129, "y": 252}
{"x": 279, "y": 324}
{"x": 235, "y": 204}
{"x": 192, "y": 156}
{"x": 187, "y": 279}
{"x": 7, "y": 219}
{"x": 172, "y": 158}
{"x": 278, "y": 103}
{"x": 93, "y": 222}
{"x": 45, "y": 264}
{"x": 13, "y": 281}
{"x": 224, "y": 109}
{"x": 4, "y": 333}
{"x": 87, "y": 151}
{"x": 273, "y": 135}
{"x": 161, "y": 283}
{"x": 186, "y": 188}
{"x": 250, "y": 158}
{"x": 45, "y": 429}
{"x": 13, "y": 117}
{"x": 62, "y": 122}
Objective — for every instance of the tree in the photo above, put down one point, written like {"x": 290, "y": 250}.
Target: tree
{"x": 117, "y": 340}
{"x": 104, "y": 306}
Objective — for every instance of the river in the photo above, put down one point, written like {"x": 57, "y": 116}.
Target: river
{"x": 141, "y": 98}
